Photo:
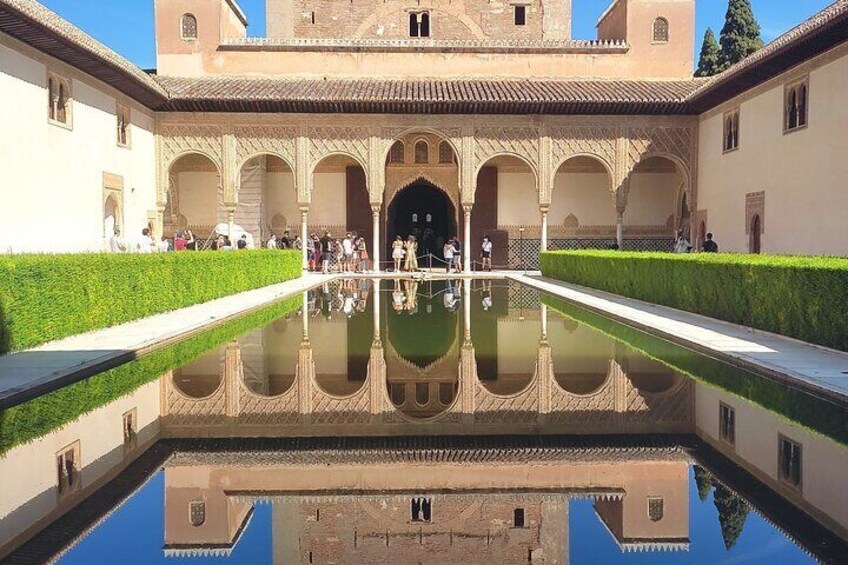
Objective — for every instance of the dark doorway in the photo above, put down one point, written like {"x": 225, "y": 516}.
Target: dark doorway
{"x": 755, "y": 245}
{"x": 424, "y": 211}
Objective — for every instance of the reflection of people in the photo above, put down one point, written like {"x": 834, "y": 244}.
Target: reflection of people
{"x": 487, "y": 296}
{"x": 397, "y": 297}
{"x": 411, "y": 254}
{"x": 411, "y": 288}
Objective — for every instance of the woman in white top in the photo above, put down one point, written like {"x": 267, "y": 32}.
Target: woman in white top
{"x": 487, "y": 253}
{"x": 449, "y": 252}
{"x": 398, "y": 252}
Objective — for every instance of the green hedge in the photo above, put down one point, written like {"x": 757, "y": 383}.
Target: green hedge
{"x": 31, "y": 420}
{"x": 47, "y": 297}
{"x": 795, "y": 406}
{"x": 801, "y": 297}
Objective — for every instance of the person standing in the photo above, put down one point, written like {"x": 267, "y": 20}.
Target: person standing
{"x": 145, "y": 242}
{"x": 316, "y": 252}
{"x": 487, "y": 253}
{"x": 297, "y": 243}
{"x": 191, "y": 241}
{"x": 285, "y": 241}
{"x": 457, "y": 254}
{"x": 398, "y": 251}
{"x": 681, "y": 244}
{"x": 272, "y": 242}
{"x": 310, "y": 252}
{"x": 710, "y": 246}
{"x": 116, "y": 243}
{"x": 326, "y": 252}
{"x": 163, "y": 246}
{"x": 362, "y": 250}
{"x": 180, "y": 243}
{"x": 411, "y": 254}
{"x": 448, "y": 253}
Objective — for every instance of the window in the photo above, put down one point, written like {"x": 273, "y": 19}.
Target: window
{"x": 419, "y": 24}
{"x": 660, "y": 30}
{"x": 123, "y": 126}
{"x": 520, "y": 15}
{"x": 197, "y": 513}
{"x": 445, "y": 153}
{"x": 422, "y": 394}
{"x": 789, "y": 461}
{"x": 727, "y": 424}
{"x": 422, "y": 510}
{"x": 59, "y": 100}
{"x": 312, "y": 15}
{"x": 518, "y": 518}
{"x": 188, "y": 27}
{"x": 397, "y": 153}
{"x": 397, "y": 392}
{"x": 731, "y": 131}
{"x": 68, "y": 469}
{"x": 130, "y": 431}
{"x": 656, "y": 508}
{"x": 446, "y": 393}
{"x": 422, "y": 152}
{"x": 797, "y": 99}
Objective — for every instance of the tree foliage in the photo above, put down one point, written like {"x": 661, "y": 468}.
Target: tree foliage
{"x": 732, "y": 513}
{"x": 710, "y": 61}
{"x": 740, "y": 35}
{"x": 704, "y": 481}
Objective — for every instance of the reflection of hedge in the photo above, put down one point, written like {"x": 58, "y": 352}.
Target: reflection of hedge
{"x": 33, "y": 419}
{"x": 801, "y": 297}
{"x": 47, "y": 297}
{"x": 796, "y": 406}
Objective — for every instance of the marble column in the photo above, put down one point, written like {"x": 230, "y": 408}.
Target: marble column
{"x": 467, "y": 259}
{"x": 619, "y": 228}
{"x": 544, "y": 211}
{"x": 544, "y": 322}
{"x": 304, "y": 322}
{"x": 466, "y": 308}
{"x": 375, "y": 244}
{"x": 304, "y": 234}
{"x": 231, "y": 223}
{"x": 376, "y": 299}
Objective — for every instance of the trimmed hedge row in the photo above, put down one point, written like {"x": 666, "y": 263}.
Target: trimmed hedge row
{"x": 801, "y": 297}
{"x": 48, "y": 297}
{"x": 795, "y": 406}
{"x": 31, "y": 420}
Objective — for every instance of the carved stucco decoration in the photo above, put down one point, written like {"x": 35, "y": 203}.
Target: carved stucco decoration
{"x": 668, "y": 142}
{"x": 278, "y": 410}
{"x": 522, "y": 142}
{"x": 569, "y": 142}
{"x": 442, "y": 177}
{"x": 355, "y": 409}
{"x": 330, "y": 140}
{"x": 521, "y": 408}
{"x": 252, "y": 141}
{"x": 176, "y": 140}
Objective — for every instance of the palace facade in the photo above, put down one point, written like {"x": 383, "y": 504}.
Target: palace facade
{"x": 434, "y": 118}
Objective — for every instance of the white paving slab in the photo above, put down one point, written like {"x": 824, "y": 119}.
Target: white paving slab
{"x": 30, "y": 373}
{"x": 812, "y": 367}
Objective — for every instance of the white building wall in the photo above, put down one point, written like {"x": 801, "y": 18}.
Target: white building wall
{"x": 518, "y": 201}
{"x": 52, "y": 177}
{"x": 586, "y": 195}
{"x": 803, "y": 173}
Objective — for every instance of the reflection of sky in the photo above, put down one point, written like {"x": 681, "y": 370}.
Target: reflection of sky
{"x": 135, "y": 535}
{"x": 759, "y": 542}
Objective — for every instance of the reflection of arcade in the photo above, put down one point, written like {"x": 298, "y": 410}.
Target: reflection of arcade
{"x": 363, "y": 508}
{"x": 493, "y": 369}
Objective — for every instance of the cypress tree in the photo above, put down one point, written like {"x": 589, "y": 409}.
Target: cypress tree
{"x": 710, "y": 61}
{"x": 704, "y": 481}
{"x": 732, "y": 512}
{"x": 740, "y": 35}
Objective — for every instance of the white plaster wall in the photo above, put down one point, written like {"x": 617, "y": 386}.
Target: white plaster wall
{"x": 652, "y": 198}
{"x": 586, "y": 195}
{"x": 281, "y": 198}
{"x": 823, "y": 461}
{"x": 29, "y": 471}
{"x": 52, "y": 177}
{"x": 802, "y": 173}
{"x": 329, "y": 200}
{"x": 518, "y": 201}
{"x": 199, "y": 197}
{"x": 281, "y": 343}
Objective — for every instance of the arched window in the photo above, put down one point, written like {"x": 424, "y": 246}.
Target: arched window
{"x": 397, "y": 153}
{"x": 414, "y": 28}
{"x": 422, "y": 394}
{"x": 188, "y": 27}
{"x": 422, "y": 152}
{"x": 518, "y": 518}
{"x": 59, "y": 97}
{"x": 425, "y": 24}
{"x": 419, "y": 24}
{"x": 445, "y": 153}
{"x": 397, "y": 392}
{"x": 62, "y": 104}
{"x": 446, "y": 393}
{"x": 797, "y": 101}
{"x": 123, "y": 125}
{"x": 660, "y": 30}
{"x": 51, "y": 98}
{"x": 731, "y": 130}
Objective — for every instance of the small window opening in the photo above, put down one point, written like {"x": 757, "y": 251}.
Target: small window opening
{"x": 422, "y": 152}
{"x": 660, "y": 30}
{"x": 123, "y": 125}
{"x": 445, "y": 153}
{"x": 796, "y": 106}
{"x": 518, "y": 518}
{"x": 422, "y": 509}
{"x": 727, "y": 424}
{"x": 422, "y": 394}
{"x": 397, "y": 153}
{"x": 731, "y": 131}
{"x": 129, "y": 429}
{"x": 520, "y": 15}
{"x": 188, "y": 27}
{"x": 789, "y": 461}
{"x": 312, "y": 17}
{"x": 67, "y": 469}
{"x": 419, "y": 24}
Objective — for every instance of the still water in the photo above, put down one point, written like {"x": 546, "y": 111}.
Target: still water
{"x": 423, "y": 422}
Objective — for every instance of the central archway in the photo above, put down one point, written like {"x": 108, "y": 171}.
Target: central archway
{"x": 425, "y": 211}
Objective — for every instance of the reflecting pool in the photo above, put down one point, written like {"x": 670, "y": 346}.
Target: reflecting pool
{"x": 433, "y": 421}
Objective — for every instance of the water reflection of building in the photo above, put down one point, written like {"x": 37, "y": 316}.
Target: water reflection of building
{"x": 483, "y": 371}
{"x": 398, "y": 510}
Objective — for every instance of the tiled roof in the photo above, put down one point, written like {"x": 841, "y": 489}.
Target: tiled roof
{"x": 425, "y": 96}
{"x": 825, "y": 30}
{"x": 32, "y": 23}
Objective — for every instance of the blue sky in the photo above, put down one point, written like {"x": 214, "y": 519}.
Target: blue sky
{"x": 127, "y": 25}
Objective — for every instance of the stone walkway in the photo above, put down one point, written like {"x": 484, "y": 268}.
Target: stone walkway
{"x": 28, "y": 374}
{"x": 816, "y": 369}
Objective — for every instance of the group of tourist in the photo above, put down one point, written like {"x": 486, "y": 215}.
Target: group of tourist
{"x": 284, "y": 242}
{"x": 345, "y": 255}
{"x": 683, "y": 245}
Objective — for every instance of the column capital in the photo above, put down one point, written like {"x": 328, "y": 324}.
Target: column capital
{"x": 545, "y": 208}
{"x": 376, "y": 209}
{"x": 466, "y": 208}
